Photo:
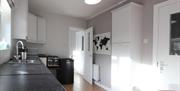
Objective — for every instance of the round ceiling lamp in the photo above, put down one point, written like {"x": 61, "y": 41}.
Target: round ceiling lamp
{"x": 92, "y": 2}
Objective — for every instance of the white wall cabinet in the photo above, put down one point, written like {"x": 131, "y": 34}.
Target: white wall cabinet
{"x": 121, "y": 24}
{"x": 127, "y": 23}
{"x": 20, "y": 18}
{"x": 127, "y": 27}
{"x": 41, "y": 30}
{"x": 36, "y": 29}
{"x": 26, "y": 25}
{"x": 32, "y": 28}
{"x": 126, "y": 44}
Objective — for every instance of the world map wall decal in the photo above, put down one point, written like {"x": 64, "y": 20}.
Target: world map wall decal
{"x": 102, "y": 43}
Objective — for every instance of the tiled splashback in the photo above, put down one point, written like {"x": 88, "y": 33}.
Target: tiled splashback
{"x": 33, "y": 48}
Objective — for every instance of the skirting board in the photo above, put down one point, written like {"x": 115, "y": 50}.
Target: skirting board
{"x": 102, "y": 86}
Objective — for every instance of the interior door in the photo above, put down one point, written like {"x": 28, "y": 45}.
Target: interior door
{"x": 88, "y": 55}
{"x": 169, "y": 65}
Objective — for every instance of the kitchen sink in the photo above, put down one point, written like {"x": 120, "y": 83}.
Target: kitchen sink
{"x": 24, "y": 62}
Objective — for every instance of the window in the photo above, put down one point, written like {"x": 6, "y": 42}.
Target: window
{"x": 5, "y": 25}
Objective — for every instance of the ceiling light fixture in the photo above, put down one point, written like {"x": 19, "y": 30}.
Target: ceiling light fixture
{"x": 92, "y": 2}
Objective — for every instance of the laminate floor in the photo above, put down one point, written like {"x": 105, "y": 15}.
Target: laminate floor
{"x": 81, "y": 85}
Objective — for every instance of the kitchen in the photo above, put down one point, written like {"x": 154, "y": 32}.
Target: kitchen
{"x": 49, "y": 45}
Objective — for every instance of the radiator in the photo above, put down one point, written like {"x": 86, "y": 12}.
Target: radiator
{"x": 96, "y": 72}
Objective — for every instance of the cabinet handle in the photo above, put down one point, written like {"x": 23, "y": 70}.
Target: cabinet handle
{"x": 157, "y": 64}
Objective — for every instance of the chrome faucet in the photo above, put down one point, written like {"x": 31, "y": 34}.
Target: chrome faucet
{"x": 17, "y": 48}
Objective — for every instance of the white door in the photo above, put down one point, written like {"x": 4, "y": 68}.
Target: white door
{"x": 169, "y": 65}
{"x": 88, "y": 55}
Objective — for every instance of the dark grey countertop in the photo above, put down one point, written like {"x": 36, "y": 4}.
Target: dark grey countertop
{"x": 27, "y": 77}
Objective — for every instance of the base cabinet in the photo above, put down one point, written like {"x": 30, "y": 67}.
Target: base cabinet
{"x": 66, "y": 72}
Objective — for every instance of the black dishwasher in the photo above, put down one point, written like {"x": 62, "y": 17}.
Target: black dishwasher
{"x": 65, "y": 74}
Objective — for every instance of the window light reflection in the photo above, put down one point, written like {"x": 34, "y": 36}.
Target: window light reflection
{"x": 128, "y": 75}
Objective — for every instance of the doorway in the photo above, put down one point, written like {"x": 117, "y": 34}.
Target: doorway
{"x": 81, "y": 50}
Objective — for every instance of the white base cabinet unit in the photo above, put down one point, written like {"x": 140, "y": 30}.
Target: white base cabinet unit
{"x": 126, "y": 45}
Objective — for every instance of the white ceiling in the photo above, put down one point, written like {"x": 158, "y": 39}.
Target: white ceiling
{"x": 75, "y": 8}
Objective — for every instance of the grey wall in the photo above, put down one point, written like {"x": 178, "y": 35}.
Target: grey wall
{"x": 148, "y": 30}
{"x": 103, "y": 23}
{"x": 57, "y": 27}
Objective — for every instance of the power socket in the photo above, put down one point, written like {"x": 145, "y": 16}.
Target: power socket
{"x": 145, "y": 41}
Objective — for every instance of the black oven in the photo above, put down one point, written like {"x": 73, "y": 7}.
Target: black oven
{"x": 53, "y": 61}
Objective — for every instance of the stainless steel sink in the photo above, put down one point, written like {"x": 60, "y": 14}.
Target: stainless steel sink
{"x": 24, "y": 62}
{"x": 31, "y": 61}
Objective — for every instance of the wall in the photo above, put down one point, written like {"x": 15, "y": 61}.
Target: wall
{"x": 102, "y": 24}
{"x": 57, "y": 27}
{"x": 148, "y": 30}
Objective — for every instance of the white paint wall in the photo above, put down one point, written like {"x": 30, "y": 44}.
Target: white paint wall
{"x": 57, "y": 27}
{"x": 4, "y": 55}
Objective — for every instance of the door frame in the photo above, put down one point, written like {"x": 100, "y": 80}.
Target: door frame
{"x": 70, "y": 49}
{"x": 86, "y": 53}
{"x": 156, "y": 30}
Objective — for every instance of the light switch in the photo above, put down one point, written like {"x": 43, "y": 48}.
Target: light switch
{"x": 145, "y": 41}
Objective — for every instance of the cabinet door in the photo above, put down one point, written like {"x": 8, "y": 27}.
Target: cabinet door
{"x": 121, "y": 24}
{"x": 20, "y": 19}
{"x": 32, "y": 28}
{"x": 41, "y": 27}
{"x": 121, "y": 67}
